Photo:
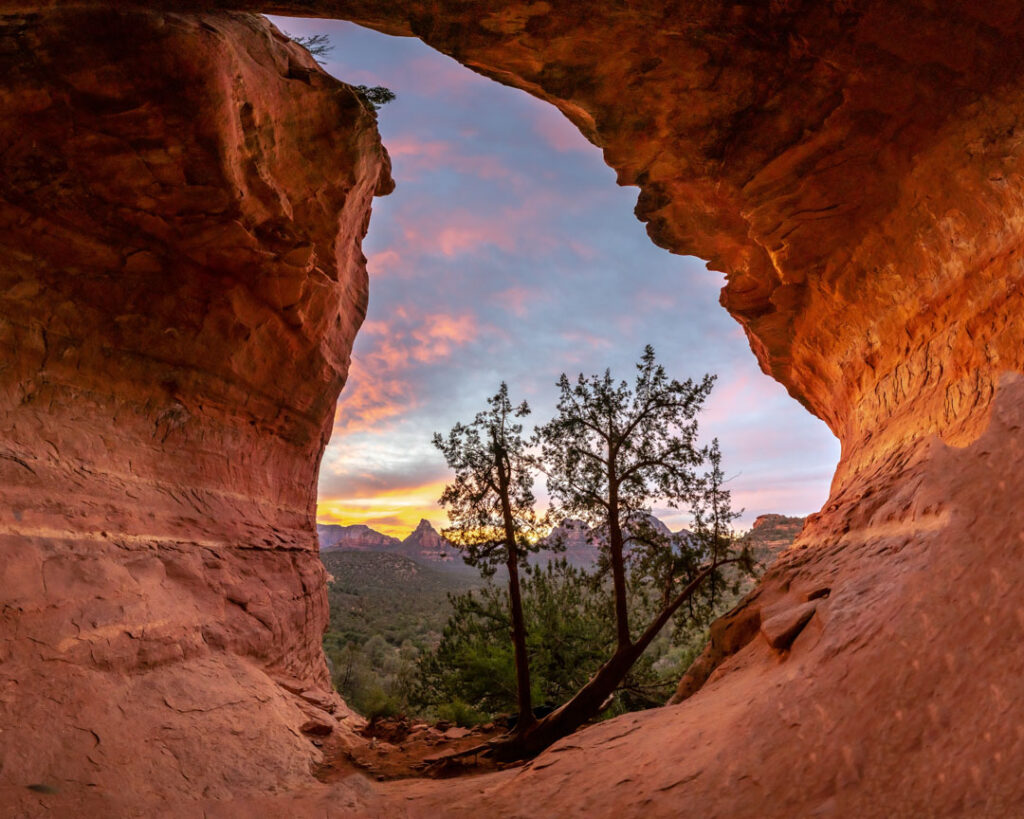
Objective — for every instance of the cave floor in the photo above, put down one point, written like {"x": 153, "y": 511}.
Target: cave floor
{"x": 398, "y": 748}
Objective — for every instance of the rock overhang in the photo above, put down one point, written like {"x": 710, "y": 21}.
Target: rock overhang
{"x": 852, "y": 168}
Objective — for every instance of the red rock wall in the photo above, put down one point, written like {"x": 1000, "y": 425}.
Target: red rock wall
{"x": 852, "y": 166}
{"x": 181, "y": 208}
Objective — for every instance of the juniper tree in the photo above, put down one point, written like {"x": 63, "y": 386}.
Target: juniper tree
{"x": 491, "y": 508}
{"x": 319, "y": 46}
{"x": 610, "y": 453}
{"x": 374, "y": 95}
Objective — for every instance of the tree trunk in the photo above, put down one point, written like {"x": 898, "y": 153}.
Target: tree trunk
{"x": 586, "y": 703}
{"x": 618, "y": 565}
{"x": 526, "y": 718}
{"x": 584, "y": 706}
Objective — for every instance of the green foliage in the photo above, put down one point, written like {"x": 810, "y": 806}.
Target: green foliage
{"x": 375, "y": 636}
{"x": 381, "y": 704}
{"x": 363, "y": 602}
{"x": 374, "y": 95}
{"x": 461, "y": 714}
{"x": 319, "y": 46}
{"x": 375, "y": 678}
{"x": 474, "y": 660}
{"x": 492, "y": 467}
{"x": 570, "y": 627}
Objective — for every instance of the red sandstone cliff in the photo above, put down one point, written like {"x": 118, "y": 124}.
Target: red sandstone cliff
{"x": 852, "y": 166}
{"x": 182, "y": 202}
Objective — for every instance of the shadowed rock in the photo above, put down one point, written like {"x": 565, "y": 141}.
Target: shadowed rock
{"x": 780, "y": 630}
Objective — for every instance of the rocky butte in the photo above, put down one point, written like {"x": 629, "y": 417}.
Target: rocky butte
{"x": 422, "y": 543}
{"x": 183, "y": 197}
{"x": 357, "y": 536}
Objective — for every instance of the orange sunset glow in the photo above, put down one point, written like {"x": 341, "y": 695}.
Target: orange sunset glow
{"x": 391, "y": 512}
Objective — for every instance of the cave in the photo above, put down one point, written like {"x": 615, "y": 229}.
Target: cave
{"x": 184, "y": 194}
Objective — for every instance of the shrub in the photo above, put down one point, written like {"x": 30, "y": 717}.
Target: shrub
{"x": 461, "y": 714}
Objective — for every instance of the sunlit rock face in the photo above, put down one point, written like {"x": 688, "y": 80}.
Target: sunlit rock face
{"x": 853, "y": 169}
{"x": 181, "y": 208}
{"x": 850, "y": 166}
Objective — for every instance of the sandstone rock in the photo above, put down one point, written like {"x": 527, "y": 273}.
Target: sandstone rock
{"x": 424, "y": 543}
{"x": 172, "y": 354}
{"x": 457, "y": 733}
{"x": 321, "y": 699}
{"x": 726, "y": 636}
{"x": 781, "y": 629}
{"x": 317, "y": 727}
{"x": 161, "y": 416}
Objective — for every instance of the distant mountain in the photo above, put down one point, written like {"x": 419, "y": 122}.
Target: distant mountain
{"x": 769, "y": 535}
{"x": 581, "y": 543}
{"x": 578, "y": 547}
{"x": 772, "y": 534}
{"x": 426, "y": 544}
{"x": 357, "y": 537}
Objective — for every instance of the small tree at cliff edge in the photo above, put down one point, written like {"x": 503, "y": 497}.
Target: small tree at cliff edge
{"x": 491, "y": 508}
{"x": 319, "y": 46}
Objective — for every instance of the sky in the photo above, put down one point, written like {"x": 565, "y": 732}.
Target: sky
{"x": 507, "y": 252}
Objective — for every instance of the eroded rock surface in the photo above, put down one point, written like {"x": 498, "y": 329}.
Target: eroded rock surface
{"x": 853, "y": 168}
{"x": 182, "y": 202}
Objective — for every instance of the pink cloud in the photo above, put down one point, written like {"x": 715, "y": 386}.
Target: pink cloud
{"x": 384, "y": 263}
{"x": 440, "y": 334}
{"x": 412, "y": 157}
{"x": 460, "y": 239}
{"x": 382, "y": 379}
{"x": 553, "y": 127}
{"x": 411, "y": 146}
{"x": 461, "y": 231}
{"x": 516, "y": 300}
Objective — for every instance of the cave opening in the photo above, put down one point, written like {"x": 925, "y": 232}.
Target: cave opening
{"x": 183, "y": 202}
{"x": 506, "y": 252}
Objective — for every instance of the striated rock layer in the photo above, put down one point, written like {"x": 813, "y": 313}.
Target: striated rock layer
{"x": 181, "y": 208}
{"x": 358, "y": 536}
{"x": 852, "y": 166}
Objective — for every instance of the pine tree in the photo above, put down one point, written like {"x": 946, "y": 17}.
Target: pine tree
{"x": 491, "y": 508}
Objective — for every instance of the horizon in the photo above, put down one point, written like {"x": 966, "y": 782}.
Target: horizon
{"x": 439, "y": 529}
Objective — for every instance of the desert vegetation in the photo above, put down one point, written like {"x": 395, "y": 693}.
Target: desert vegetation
{"x": 319, "y": 46}
{"x": 555, "y": 644}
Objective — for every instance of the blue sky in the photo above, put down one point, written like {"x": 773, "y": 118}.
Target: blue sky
{"x": 507, "y": 252}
